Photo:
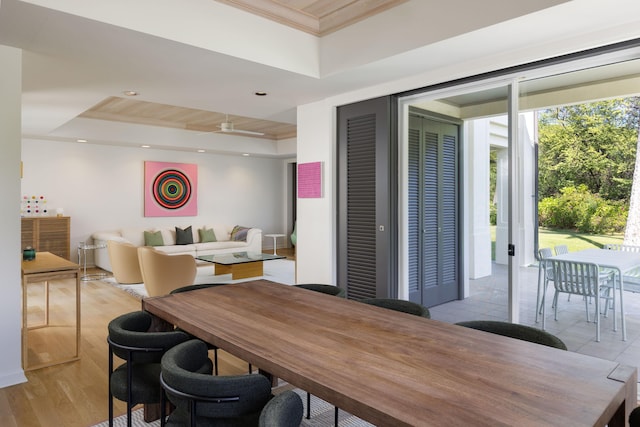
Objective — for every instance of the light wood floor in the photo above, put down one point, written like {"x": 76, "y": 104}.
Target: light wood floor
{"x": 75, "y": 394}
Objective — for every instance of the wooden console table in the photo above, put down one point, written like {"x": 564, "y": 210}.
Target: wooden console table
{"x": 43, "y": 269}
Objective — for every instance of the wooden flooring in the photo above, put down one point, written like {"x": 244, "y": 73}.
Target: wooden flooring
{"x": 75, "y": 394}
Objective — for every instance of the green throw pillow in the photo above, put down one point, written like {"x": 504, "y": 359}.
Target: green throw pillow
{"x": 153, "y": 238}
{"x": 239, "y": 233}
{"x": 184, "y": 237}
{"x": 207, "y": 235}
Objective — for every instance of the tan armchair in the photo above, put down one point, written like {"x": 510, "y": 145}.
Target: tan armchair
{"x": 162, "y": 273}
{"x": 124, "y": 262}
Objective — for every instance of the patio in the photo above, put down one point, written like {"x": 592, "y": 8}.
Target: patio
{"x": 488, "y": 301}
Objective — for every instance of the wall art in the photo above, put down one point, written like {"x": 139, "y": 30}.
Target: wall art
{"x": 170, "y": 189}
{"x": 310, "y": 180}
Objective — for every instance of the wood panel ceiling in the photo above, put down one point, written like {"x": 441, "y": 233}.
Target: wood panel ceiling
{"x": 149, "y": 113}
{"x": 318, "y": 17}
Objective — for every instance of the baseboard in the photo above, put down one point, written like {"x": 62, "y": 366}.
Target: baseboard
{"x": 12, "y": 379}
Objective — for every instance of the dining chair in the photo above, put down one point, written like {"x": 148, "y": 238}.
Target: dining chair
{"x": 136, "y": 381}
{"x": 545, "y": 275}
{"x": 634, "y": 417}
{"x": 403, "y": 306}
{"x": 322, "y": 288}
{"x": 284, "y": 410}
{"x": 576, "y": 278}
{"x": 162, "y": 273}
{"x": 561, "y": 249}
{"x": 204, "y": 399}
{"x": 515, "y": 330}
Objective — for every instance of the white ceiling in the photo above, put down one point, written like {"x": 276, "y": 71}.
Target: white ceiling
{"x": 203, "y": 54}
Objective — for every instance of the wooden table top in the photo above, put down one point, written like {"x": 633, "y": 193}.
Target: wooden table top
{"x": 394, "y": 369}
{"x": 46, "y": 262}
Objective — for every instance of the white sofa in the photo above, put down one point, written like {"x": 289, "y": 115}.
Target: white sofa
{"x": 135, "y": 236}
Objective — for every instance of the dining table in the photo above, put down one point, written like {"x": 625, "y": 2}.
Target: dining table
{"x": 394, "y": 369}
{"x": 621, "y": 262}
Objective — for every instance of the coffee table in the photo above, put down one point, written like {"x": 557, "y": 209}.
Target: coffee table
{"x": 240, "y": 265}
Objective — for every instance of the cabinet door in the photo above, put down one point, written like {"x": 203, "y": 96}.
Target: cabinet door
{"x": 53, "y": 236}
{"x": 28, "y": 233}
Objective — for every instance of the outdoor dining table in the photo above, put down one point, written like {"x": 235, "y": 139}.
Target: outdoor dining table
{"x": 620, "y": 261}
{"x": 395, "y": 369}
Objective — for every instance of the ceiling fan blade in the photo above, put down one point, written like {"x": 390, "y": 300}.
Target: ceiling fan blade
{"x": 246, "y": 132}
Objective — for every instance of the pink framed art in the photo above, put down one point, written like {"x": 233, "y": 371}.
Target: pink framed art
{"x": 310, "y": 180}
{"x": 170, "y": 189}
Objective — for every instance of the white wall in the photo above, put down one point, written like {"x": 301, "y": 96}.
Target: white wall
{"x": 10, "y": 256}
{"x": 101, "y": 187}
{"x": 316, "y": 230}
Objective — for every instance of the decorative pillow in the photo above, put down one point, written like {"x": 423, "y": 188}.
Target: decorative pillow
{"x": 153, "y": 238}
{"x": 239, "y": 233}
{"x": 184, "y": 237}
{"x": 207, "y": 235}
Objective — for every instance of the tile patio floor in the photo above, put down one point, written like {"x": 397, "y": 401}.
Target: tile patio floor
{"x": 488, "y": 301}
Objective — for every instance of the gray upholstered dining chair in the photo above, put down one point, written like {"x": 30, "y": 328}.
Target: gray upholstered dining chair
{"x": 204, "y": 399}
{"x": 515, "y": 330}
{"x": 322, "y": 288}
{"x": 136, "y": 381}
{"x": 284, "y": 410}
{"x": 399, "y": 305}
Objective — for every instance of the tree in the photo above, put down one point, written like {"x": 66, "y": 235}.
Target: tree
{"x": 632, "y": 230}
{"x": 592, "y": 144}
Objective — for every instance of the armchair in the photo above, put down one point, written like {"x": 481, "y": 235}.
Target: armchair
{"x": 162, "y": 273}
{"x": 124, "y": 262}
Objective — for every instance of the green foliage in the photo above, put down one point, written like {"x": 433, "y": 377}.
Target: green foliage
{"x": 576, "y": 208}
{"x": 590, "y": 144}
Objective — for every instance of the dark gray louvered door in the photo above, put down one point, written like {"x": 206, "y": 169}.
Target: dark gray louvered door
{"x": 367, "y": 258}
{"x": 433, "y": 211}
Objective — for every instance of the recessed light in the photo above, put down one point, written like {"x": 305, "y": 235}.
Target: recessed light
{"x": 245, "y": 154}
{"x": 145, "y": 146}
{"x": 261, "y": 93}
{"x": 130, "y": 93}
{"x": 81, "y": 140}
{"x": 201, "y": 151}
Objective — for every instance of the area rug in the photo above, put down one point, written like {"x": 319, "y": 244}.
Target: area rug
{"x": 322, "y": 415}
{"x": 277, "y": 270}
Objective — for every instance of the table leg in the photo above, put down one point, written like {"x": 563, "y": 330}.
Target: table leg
{"x": 624, "y": 326}
{"x": 46, "y": 303}
{"x": 275, "y": 240}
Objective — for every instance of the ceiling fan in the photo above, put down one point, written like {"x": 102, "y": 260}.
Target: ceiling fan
{"x": 227, "y": 127}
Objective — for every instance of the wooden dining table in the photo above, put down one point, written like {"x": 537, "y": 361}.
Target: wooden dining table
{"x": 394, "y": 369}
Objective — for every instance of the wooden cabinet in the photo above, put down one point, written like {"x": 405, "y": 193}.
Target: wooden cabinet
{"x": 47, "y": 234}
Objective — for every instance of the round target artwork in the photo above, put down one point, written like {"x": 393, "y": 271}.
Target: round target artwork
{"x": 170, "y": 189}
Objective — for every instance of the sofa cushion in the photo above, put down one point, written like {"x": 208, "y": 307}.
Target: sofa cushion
{"x": 184, "y": 237}
{"x": 153, "y": 238}
{"x": 239, "y": 233}
{"x": 230, "y": 244}
{"x": 207, "y": 235}
{"x": 177, "y": 249}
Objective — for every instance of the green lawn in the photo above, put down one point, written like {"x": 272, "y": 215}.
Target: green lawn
{"x": 575, "y": 241}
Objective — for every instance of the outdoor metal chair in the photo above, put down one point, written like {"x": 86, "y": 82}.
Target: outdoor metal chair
{"x": 576, "y": 278}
